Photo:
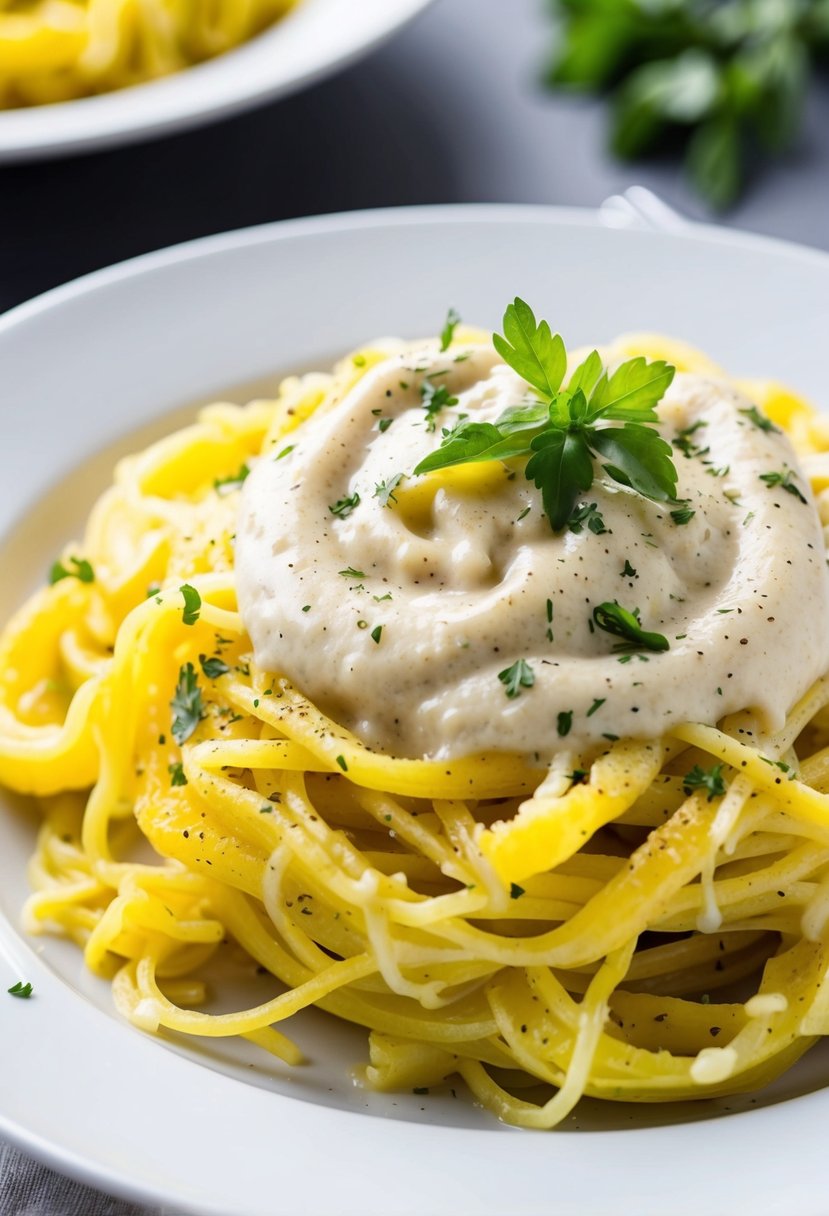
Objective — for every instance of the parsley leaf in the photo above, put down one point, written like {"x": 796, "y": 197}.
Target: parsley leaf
{"x": 213, "y": 667}
{"x": 785, "y": 480}
{"x": 618, "y": 621}
{"x": 565, "y": 722}
{"x": 451, "y": 323}
{"x": 515, "y": 892}
{"x": 571, "y": 426}
{"x": 83, "y": 571}
{"x": 519, "y": 675}
{"x": 176, "y": 772}
{"x": 532, "y": 350}
{"x": 24, "y": 991}
{"x": 187, "y": 705}
{"x": 350, "y": 572}
{"x": 343, "y": 507}
{"x": 705, "y": 779}
{"x": 192, "y": 604}
{"x": 589, "y": 515}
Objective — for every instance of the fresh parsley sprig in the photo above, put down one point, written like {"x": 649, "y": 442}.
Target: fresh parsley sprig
{"x": 570, "y": 426}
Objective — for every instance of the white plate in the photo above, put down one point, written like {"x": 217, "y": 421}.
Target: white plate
{"x": 205, "y": 1130}
{"x": 315, "y": 39}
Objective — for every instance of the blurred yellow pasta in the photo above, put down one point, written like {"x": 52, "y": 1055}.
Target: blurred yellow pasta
{"x": 477, "y": 919}
{"x": 55, "y": 50}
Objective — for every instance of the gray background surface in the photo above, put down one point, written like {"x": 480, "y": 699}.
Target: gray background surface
{"x": 451, "y": 111}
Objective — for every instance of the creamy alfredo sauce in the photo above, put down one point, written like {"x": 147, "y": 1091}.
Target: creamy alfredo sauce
{"x": 396, "y": 617}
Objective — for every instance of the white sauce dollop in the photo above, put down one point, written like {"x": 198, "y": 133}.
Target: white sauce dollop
{"x": 458, "y": 572}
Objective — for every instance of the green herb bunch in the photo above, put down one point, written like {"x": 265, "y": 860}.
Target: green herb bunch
{"x": 732, "y": 73}
{"x": 563, "y": 429}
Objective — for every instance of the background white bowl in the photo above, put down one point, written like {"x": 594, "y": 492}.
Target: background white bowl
{"x": 312, "y": 41}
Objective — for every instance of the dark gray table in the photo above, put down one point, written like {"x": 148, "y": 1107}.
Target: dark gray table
{"x": 451, "y": 111}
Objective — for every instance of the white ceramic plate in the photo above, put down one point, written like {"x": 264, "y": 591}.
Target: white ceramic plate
{"x": 219, "y": 1131}
{"x": 312, "y": 41}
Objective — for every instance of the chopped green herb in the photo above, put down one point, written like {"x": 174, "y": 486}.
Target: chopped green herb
{"x": 759, "y": 420}
{"x": 384, "y": 490}
{"x": 589, "y": 515}
{"x": 213, "y": 667}
{"x": 451, "y": 323}
{"x": 597, "y": 704}
{"x": 343, "y": 507}
{"x": 435, "y": 398}
{"x": 628, "y": 570}
{"x": 785, "y": 480}
{"x": 306, "y": 607}
{"x": 83, "y": 571}
{"x": 187, "y": 705}
{"x": 710, "y": 780}
{"x": 24, "y": 991}
{"x": 682, "y": 440}
{"x": 192, "y": 604}
{"x": 224, "y": 485}
{"x": 376, "y": 634}
{"x": 579, "y": 776}
{"x": 176, "y": 772}
{"x": 519, "y": 675}
{"x": 523, "y": 514}
{"x": 683, "y": 515}
{"x": 515, "y": 892}
{"x": 378, "y": 599}
{"x": 350, "y": 572}
{"x": 285, "y": 452}
{"x": 384, "y": 424}
{"x": 569, "y": 427}
{"x": 565, "y": 722}
{"x": 616, "y": 620}
{"x": 342, "y": 763}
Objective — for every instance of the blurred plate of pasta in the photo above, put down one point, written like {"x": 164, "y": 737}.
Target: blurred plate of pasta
{"x": 99, "y": 73}
{"x": 114, "y": 362}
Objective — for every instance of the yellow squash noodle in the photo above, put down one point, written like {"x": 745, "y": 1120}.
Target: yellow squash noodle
{"x": 56, "y": 50}
{"x": 541, "y": 938}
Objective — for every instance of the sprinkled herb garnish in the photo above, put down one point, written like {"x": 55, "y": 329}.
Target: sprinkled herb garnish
{"x": 82, "y": 571}
{"x": 192, "y": 604}
{"x": 683, "y": 515}
{"x": 519, "y": 675}
{"x": 569, "y": 427}
{"x": 785, "y": 480}
{"x": 565, "y": 722}
{"x": 759, "y": 420}
{"x": 343, "y": 507}
{"x": 285, "y": 452}
{"x": 350, "y": 572}
{"x": 590, "y": 516}
{"x": 384, "y": 490}
{"x": 628, "y": 570}
{"x": 384, "y": 424}
{"x": 515, "y": 892}
{"x": 21, "y": 990}
{"x": 682, "y": 440}
{"x": 435, "y": 398}
{"x": 614, "y": 619}
{"x": 376, "y": 634}
{"x": 710, "y": 780}
{"x": 451, "y": 323}
{"x": 342, "y": 763}
{"x": 597, "y": 704}
{"x": 224, "y": 485}
{"x": 187, "y": 705}
{"x": 176, "y": 772}
{"x": 523, "y": 514}
{"x": 579, "y": 776}
{"x": 213, "y": 667}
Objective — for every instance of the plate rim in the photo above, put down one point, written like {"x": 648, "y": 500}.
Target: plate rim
{"x": 84, "y": 1168}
